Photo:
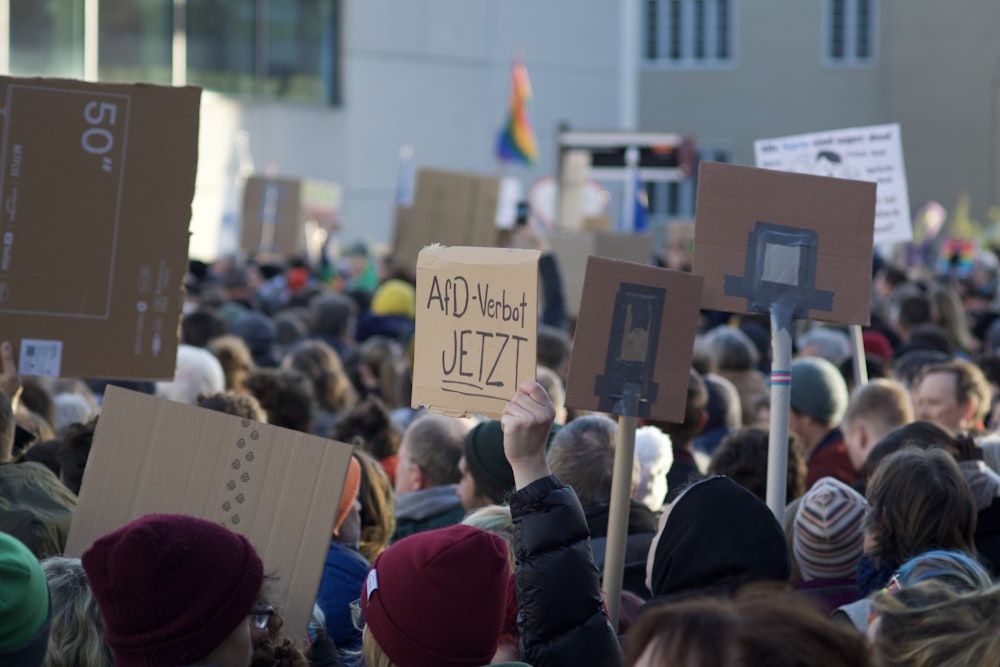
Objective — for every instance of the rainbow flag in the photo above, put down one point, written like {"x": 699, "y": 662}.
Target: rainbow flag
{"x": 516, "y": 141}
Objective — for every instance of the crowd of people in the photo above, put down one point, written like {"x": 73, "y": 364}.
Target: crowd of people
{"x": 469, "y": 541}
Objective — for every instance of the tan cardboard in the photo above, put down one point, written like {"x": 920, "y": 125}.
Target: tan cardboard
{"x": 96, "y": 189}
{"x": 476, "y": 328}
{"x": 636, "y": 329}
{"x": 832, "y": 217}
{"x": 277, "y": 213}
{"x": 450, "y": 208}
{"x": 272, "y": 216}
{"x": 279, "y": 488}
{"x": 573, "y": 248}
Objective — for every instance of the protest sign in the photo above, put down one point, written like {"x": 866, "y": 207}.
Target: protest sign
{"x": 476, "y": 328}
{"x": 572, "y": 248}
{"x": 791, "y": 246}
{"x": 622, "y": 342}
{"x": 277, "y": 211}
{"x": 762, "y": 234}
{"x": 97, "y": 182}
{"x": 630, "y": 360}
{"x": 280, "y": 488}
{"x": 872, "y": 153}
{"x": 450, "y": 208}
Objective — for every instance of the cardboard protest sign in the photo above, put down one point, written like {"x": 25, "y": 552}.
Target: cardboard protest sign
{"x": 634, "y": 337}
{"x": 872, "y": 153}
{"x": 761, "y": 235}
{"x": 450, "y": 208}
{"x": 276, "y": 212}
{"x": 279, "y": 488}
{"x": 572, "y": 248}
{"x": 97, "y": 182}
{"x": 476, "y": 328}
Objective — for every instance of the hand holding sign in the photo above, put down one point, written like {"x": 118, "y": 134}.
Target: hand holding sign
{"x": 526, "y": 422}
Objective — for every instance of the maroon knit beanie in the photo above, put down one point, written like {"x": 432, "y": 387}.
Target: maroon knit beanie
{"x": 438, "y": 598}
{"x": 171, "y": 588}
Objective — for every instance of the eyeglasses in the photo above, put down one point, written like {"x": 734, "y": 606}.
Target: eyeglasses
{"x": 356, "y": 617}
{"x": 261, "y": 616}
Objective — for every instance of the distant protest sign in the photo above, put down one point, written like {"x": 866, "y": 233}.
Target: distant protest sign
{"x": 762, "y": 236}
{"x": 872, "y": 153}
{"x": 626, "y": 347}
{"x": 476, "y": 328}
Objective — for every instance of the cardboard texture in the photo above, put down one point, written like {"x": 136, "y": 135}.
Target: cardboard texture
{"x": 476, "y": 328}
{"x": 635, "y": 335}
{"x": 573, "y": 248}
{"x": 276, "y": 212}
{"x": 279, "y": 488}
{"x": 827, "y": 221}
{"x": 872, "y": 153}
{"x": 97, "y": 182}
{"x": 450, "y": 208}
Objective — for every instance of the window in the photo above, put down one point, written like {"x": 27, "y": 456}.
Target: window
{"x": 46, "y": 38}
{"x": 676, "y": 199}
{"x": 135, "y": 40}
{"x": 851, "y": 32}
{"x": 282, "y": 49}
{"x": 688, "y": 33}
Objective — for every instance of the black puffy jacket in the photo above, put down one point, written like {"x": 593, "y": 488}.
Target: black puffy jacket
{"x": 561, "y": 618}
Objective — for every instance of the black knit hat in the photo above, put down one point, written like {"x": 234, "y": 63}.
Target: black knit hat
{"x": 486, "y": 461}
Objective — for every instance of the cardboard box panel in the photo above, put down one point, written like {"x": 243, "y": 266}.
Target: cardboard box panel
{"x": 476, "y": 328}
{"x": 745, "y": 212}
{"x": 279, "y": 488}
{"x": 573, "y": 248}
{"x": 635, "y": 336}
{"x": 96, "y": 188}
{"x": 272, "y": 216}
{"x": 450, "y": 208}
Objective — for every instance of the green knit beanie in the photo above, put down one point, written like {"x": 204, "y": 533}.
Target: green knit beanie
{"x": 24, "y": 602}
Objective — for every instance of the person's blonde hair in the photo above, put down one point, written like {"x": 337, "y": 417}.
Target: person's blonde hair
{"x": 372, "y": 653}
{"x": 77, "y": 633}
{"x": 931, "y": 624}
{"x": 495, "y": 519}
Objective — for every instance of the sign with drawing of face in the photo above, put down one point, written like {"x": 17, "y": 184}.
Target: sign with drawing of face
{"x": 476, "y": 328}
{"x": 872, "y": 153}
{"x": 765, "y": 236}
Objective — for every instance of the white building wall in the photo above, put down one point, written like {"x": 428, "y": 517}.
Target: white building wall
{"x": 433, "y": 74}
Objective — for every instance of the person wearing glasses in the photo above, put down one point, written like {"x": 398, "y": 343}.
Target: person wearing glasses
{"x": 176, "y": 590}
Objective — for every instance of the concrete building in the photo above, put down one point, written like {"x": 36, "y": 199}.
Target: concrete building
{"x": 331, "y": 89}
{"x": 732, "y": 71}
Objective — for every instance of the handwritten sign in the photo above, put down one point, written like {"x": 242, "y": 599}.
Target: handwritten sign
{"x": 634, "y": 340}
{"x": 872, "y": 153}
{"x": 476, "y": 327}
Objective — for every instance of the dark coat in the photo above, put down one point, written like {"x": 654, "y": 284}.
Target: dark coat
{"x": 561, "y": 618}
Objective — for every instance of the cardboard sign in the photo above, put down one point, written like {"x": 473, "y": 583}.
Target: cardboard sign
{"x": 761, "y": 235}
{"x": 277, "y": 210}
{"x": 872, "y": 153}
{"x": 476, "y": 328}
{"x": 573, "y": 248}
{"x": 279, "y": 488}
{"x": 449, "y": 208}
{"x": 634, "y": 338}
{"x": 97, "y": 182}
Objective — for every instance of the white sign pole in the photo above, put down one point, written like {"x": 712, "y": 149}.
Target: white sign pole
{"x": 858, "y": 353}
{"x": 781, "y": 393}
{"x": 621, "y": 495}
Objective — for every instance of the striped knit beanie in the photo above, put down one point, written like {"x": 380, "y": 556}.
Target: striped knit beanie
{"x": 829, "y": 530}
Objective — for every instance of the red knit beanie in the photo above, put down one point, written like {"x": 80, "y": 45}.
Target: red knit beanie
{"x": 171, "y": 588}
{"x": 350, "y": 493}
{"x": 437, "y": 598}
